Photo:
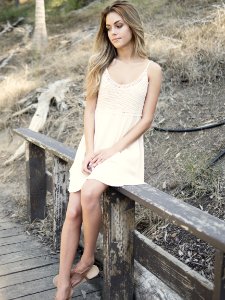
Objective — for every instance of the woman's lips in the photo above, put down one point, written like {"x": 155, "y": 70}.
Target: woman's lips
{"x": 115, "y": 40}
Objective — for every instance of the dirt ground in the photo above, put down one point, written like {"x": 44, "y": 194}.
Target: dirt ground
{"x": 174, "y": 162}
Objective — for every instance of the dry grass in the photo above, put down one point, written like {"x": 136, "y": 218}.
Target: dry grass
{"x": 190, "y": 49}
{"x": 186, "y": 37}
{"x": 64, "y": 62}
{"x": 15, "y": 87}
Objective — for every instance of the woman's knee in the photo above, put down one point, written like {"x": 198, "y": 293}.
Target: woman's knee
{"x": 74, "y": 209}
{"x": 74, "y": 214}
{"x": 89, "y": 198}
{"x": 91, "y": 192}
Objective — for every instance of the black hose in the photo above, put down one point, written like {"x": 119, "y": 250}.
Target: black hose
{"x": 208, "y": 126}
{"x": 218, "y": 157}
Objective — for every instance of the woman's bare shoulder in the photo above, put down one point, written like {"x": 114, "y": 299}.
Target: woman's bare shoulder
{"x": 154, "y": 70}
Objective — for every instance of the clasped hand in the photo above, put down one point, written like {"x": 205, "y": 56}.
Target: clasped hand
{"x": 91, "y": 160}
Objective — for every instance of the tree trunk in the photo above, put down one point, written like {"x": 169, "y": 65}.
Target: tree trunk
{"x": 40, "y": 37}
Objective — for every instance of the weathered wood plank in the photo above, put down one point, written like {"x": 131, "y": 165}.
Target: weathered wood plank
{"x": 198, "y": 222}
{"x": 36, "y": 182}
{"x": 118, "y": 220}
{"x": 149, "y": 287}
{"x": 219, "y": 281}
{"x": 89, "y": 296}
{"x": 170, "y": 270}
{"x": 28, "y": 275}
{"x": 3, "y": 217}
{"x": 49, "y": 295}
{"x": 4, "y": 220}
{"x": 89, "y": 287}
{"x": 49, "y": 182}
{"x": 60, "y": 197}
{"x": 27, "y": 288}
{"x": 41, "y": 285}
{"x": 13, "y": 239}
{"x": 5, "y": 214}
{"x": 30, "y": 263}
{"x": 58, "y": 149}
{"x": 11, "y": 232}
{"x": 29, "y": 244}
{"x": 21, "y": 255}
{"x": 8, "y": 225}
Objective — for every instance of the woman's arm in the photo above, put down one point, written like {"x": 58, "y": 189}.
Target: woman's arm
{"x": 89, "y": 129}
{"x": 155, "y": 78}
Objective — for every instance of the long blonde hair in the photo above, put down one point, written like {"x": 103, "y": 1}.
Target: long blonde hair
{"x": 105, "y": 52}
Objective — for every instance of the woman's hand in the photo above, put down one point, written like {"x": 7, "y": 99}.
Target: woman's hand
{"x": 86, "y": 166}
{"x": 101, "y": 155}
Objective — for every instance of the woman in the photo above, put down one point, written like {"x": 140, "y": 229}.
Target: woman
{"x": 122, "y": 89}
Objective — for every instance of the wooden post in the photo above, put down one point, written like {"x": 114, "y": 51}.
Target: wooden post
{"x": 60, "y": 197}
{"x": 118, "y": 260}
{"x": 36, "y": 182}
{"x": 219, "y": 271}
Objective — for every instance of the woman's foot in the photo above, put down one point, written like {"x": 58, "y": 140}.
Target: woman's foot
{"x": 64, "y": 293}
{"x": 83, "y": 264}
{"x": 81, "y": 270}
{"x": 80, "y": 267}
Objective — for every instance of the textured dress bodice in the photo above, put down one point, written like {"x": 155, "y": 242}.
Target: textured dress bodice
{"x": 123, "y": 98}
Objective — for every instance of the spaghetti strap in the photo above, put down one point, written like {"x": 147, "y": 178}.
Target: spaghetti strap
{"x": 148, "y": 64}
{"x": 142, "y": 74}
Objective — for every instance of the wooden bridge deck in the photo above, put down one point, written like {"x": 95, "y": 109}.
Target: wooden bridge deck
{"x": 27, "y": 267}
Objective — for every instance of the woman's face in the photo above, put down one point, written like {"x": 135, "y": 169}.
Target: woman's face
{"x": 119, "y": 33}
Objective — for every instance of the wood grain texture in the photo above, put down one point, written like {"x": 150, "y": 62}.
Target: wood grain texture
{"x": 60, "y": 197}
{"x": 198, "y": 222}
{"x": 149, "y": 287}
{"x": 118, "y": 220}
{"x": 174, "y": 273}
{"x": 36, "y": 182}
{"x": 27, "y": 268}
{"x": 12, "y": 240}
{"x": 219, "y": 281}
{"x": 10, "y": 232}
{"x": 58, "y": 149}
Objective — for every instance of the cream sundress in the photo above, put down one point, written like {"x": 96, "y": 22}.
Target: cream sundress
{"x": 119, "y": 107}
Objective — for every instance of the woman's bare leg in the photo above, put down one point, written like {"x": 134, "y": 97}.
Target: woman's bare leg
{"x": 69, "y": 242}
{"x": 91, "y": 213}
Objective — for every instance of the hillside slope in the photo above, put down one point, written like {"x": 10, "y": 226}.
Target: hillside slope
{"x": 186, "y": 38}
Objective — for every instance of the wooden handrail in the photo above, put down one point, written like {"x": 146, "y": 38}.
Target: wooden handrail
{"x": 118, "y": 218}
{"x": 198, "y": 222}
{"x": 49, "y": 144}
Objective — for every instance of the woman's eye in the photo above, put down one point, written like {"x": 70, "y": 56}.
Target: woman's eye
{"x": 117, "y": 26}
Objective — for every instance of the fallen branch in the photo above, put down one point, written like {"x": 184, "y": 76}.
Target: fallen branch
{"x": 8, "y": 27}
{"x": 5, "y": 60}
{"x": 29, "y": 99}
{"x": 22, "y": 111}
{"x": 55, "y": 90}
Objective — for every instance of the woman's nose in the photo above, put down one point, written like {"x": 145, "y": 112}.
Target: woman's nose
{"x": 114, "y": 31}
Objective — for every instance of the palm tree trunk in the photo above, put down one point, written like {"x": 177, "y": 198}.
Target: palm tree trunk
{"x": 40, "y": 37}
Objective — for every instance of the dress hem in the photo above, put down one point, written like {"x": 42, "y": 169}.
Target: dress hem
{"x": 71, "y": 190}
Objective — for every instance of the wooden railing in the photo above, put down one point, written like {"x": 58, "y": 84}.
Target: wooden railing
{"x": 121, "y": 242}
